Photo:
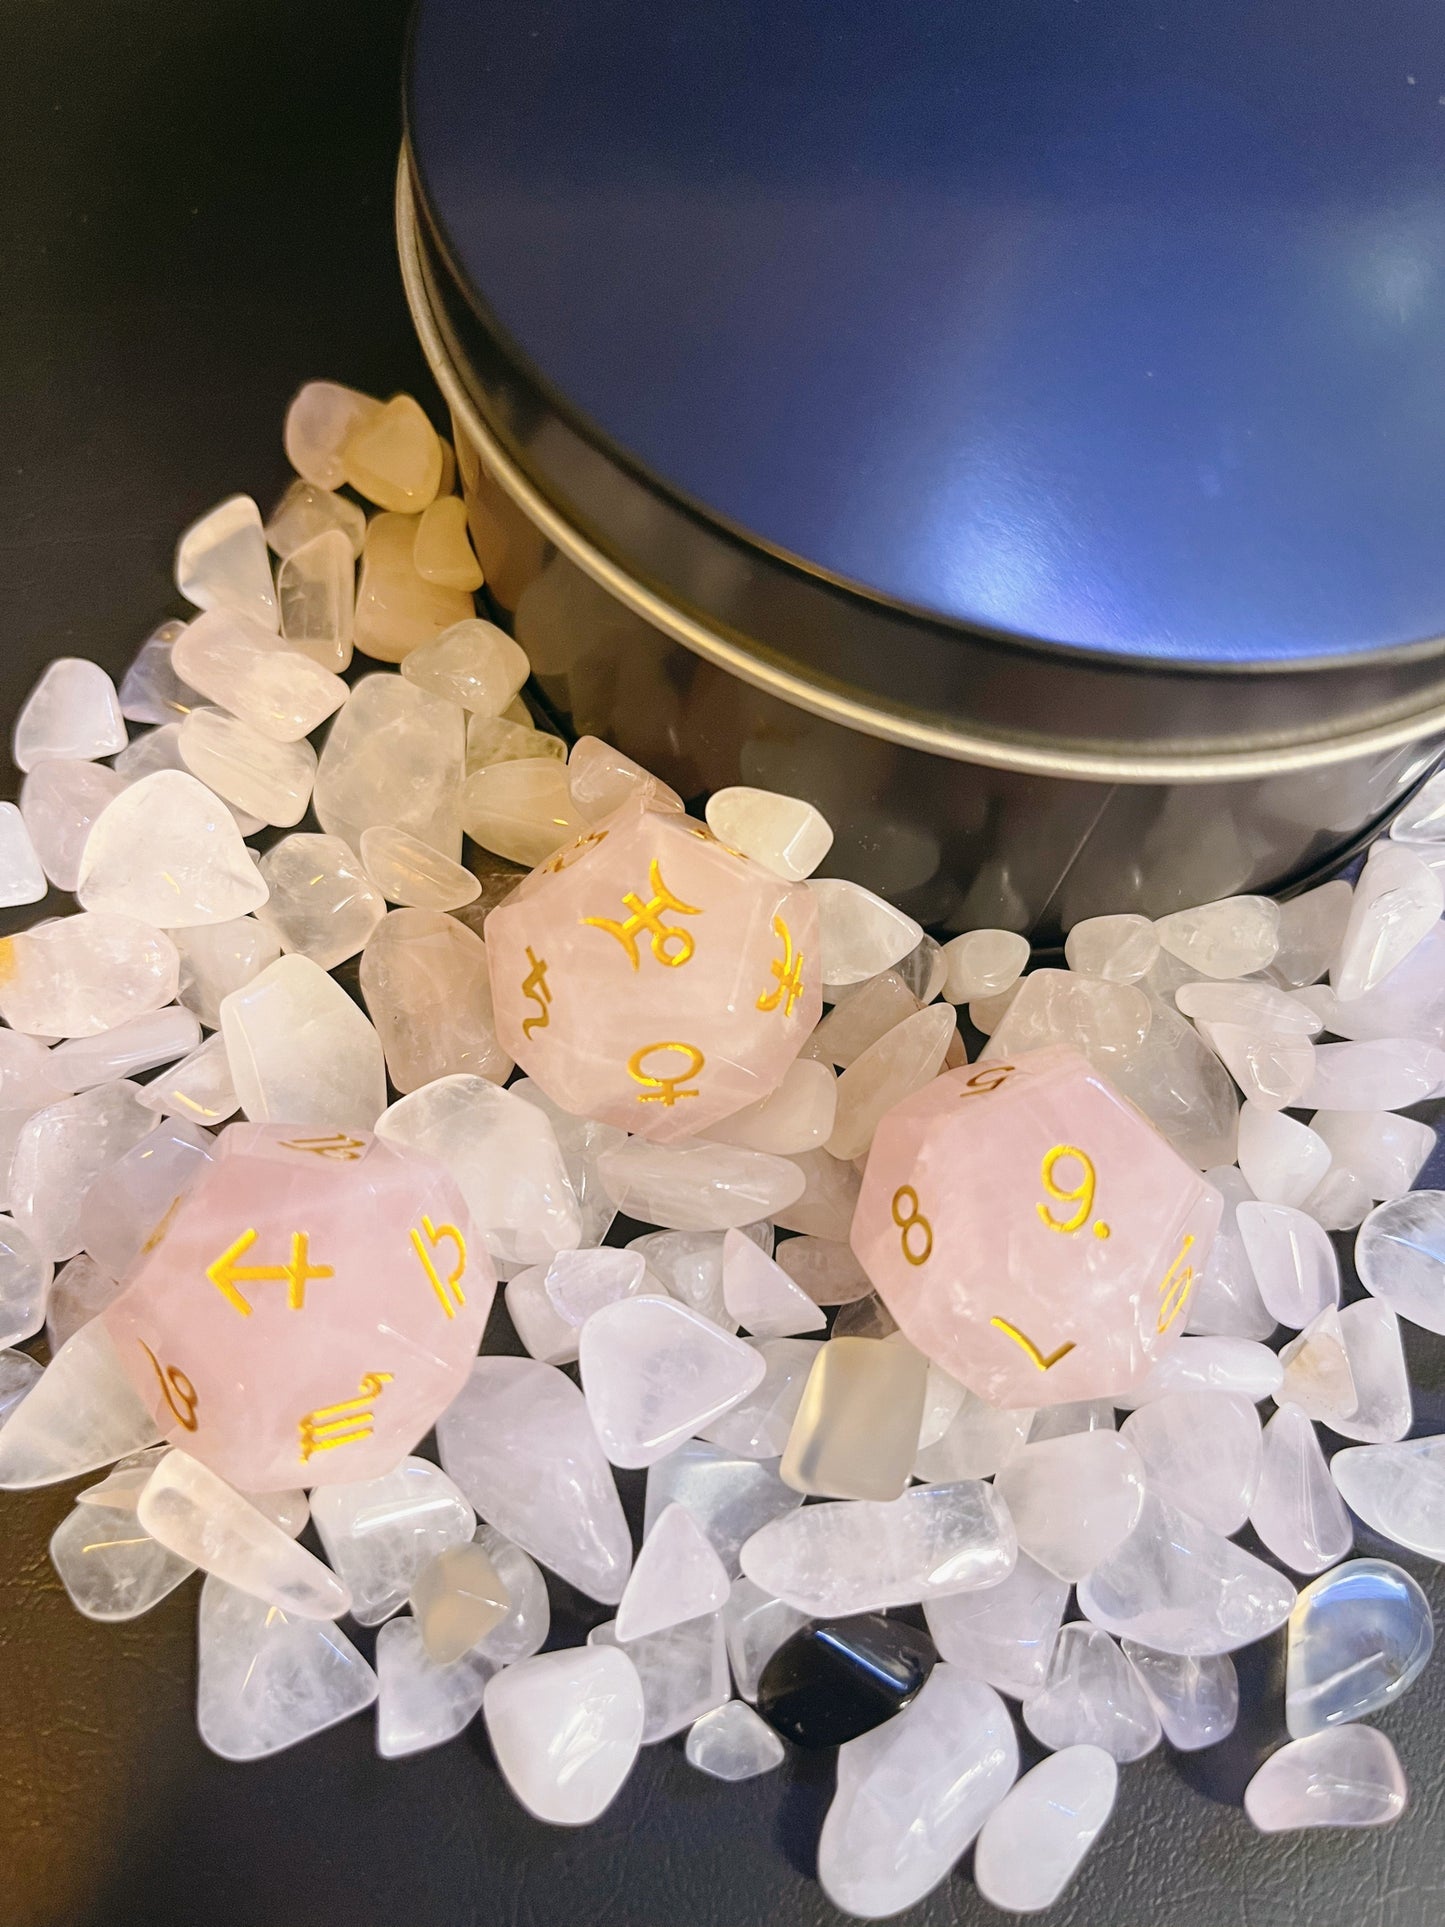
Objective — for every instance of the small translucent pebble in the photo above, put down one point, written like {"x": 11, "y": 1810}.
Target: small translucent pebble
{"x": 855, "y": 1434}
{"x": 979, "y": 1440}
{"x": 22, "y": 880}
{"x": 1005, "y": 1633}
{"x": 442, "y": 552}
{"x": 831, "y": 1560}
{"x": 732, "y": 1743}
{"x": 601, "y": 779}
{"x": 167, "y": 852}
{"x": 393, "y": 457}
{"x": 1202, "y": 1451}
{"x": 424, "y": 979}
{"x": 319, "y": 421}
{"x": 1400, "y": 1255}
{"x": 457, "y": 1598}
{"x": 300, "y": 1051}
{"x": 1398, "y": 1490}
{"x": 1214, "y": 1365}
{"x": 1310, "y": 928}
{"x": 73, "y": 712}
{"x": 398, "y": 610}
{"x": 1383, "y": 1152}
{"x": 268, "y": 1678}
{"x": 1178, "y": 1587}
{"x": 1034, "y": 1841}
{"x": 1273, "y": 1069}
{"x": 824, "y": 1207}
{"x": 1073, "y": 1499}
{"x": 60, "y": 802}
{"x": 1293, "y": 1260}
{"x": 1119, "y": 949}
{"x": 82, "y": 1412}
{"x": 518, "y": 1442}
{"x": 565, "y": 1728}
{"x": 80, "y": 1291}
{"x": 520, "y": 810}
{"x": 150, "y": 690}
{"x": 797, "y": 1116}
{"x": 1397, "y": 902}
{"x": 62, "y": 1151}
{"x": 474, "y": 663}
{"x": 758, "y": 1426}
{"x": 1225, "y": 1302}
{"x": 1197, "y": 1700}
{"x": 1346, "y": 1778}
{"x": 676, "y": 1576}
{"x": 219, "y": 958}
{"x": 379, "y": 1533}
{"x": 196, "y": 1515}
{"x": 128, "y": 1204}
{"x": 913, "y": 1793}
{"x": 1092, "y": 1696}
{"x": 493, "y": 739}
{"x": 924, "y": 969}
{"x": 761, "y": 1296}
{"x": 1230, "y": 938}
{"x": 1382, "y": 1074}
{"x": 698, "y": 1186}
{"x": 1282, "y": 1159}
{"x": 983, "y": 964}
{"x": 274, "y": 690}
{"x": 581, "y": 1141}
{"x": 524, "y": 1630}
{"x": 304, "y": 512}
{"x": 422, "y": 1703}
{"x": 902, "y": 1061}
{"x": 654, "y": 1372}
{"x": 580, "y": 1283}
{"x": 1339, "y": 1202}
{"x": 987, "y": 1013}
{"x": 825, "y": 1269}
{"x": 394, "y": 755}
{"x": 200, "y": 1087}
{"x": 24, "y": 1281}
{"x": 683, "y": 1670}
{"x": 1297, "y": 1512}
{"x": 270, "y": 782}
{"x": 1074, "y": 1415}
{"x": 316, "y": 589}
{"x": 111, "y": 1568}
{"x": 755, "y": 1625}
{"x": 783, "y": 833}
{"x": 321, "y": 905}
{"x": 730, "y": 1496}
{"x": 1104, "y": 1022}
{"x": 1383, "y": 1407}
{"x": 858, "y": 933}
{"x": 408, "y": 871}
{"x": 1317, "y": 1375}
{"x": 221, "y": 563}
{"x": 1358, "y": 1638}
{"x": 861, "y": 1016}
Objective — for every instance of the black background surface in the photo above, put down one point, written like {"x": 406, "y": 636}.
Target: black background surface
{"x": 196, "y": 218}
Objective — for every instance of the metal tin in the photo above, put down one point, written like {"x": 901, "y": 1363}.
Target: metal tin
{"x": 1079, "y": 554}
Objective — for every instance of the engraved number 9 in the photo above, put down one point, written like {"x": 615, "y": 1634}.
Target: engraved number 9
{"x": 1081, "y": 1195}
{"x": 908, "y": 1218}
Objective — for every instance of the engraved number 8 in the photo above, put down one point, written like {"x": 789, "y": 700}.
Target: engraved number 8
{"x": 907, "y": 1198}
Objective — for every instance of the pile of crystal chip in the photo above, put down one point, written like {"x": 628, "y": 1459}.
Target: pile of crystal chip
{"x": 379, "y": 994}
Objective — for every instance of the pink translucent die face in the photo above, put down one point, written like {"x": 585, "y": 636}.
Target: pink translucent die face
{"x": 649, "y": 976}
{"x": 1031, "y": 1231}
{"x": 308, "y": 1308}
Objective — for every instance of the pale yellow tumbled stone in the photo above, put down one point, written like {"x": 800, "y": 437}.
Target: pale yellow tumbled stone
{"x": 394, "y": 457}
{"x": 493, "y": 739}
{"x": 457, "y": 1599}
{"x": 316, "y": 588}
{"x": 322, "y": 417}
{"x": 855, "y": 1435}
{"x": 443, "y": 552}
{"x": 398, "y": 610}
{"x": 521, "y": 810}
{"x": 306, "y": 511}
{"x": 475, "y": 664}
{"x": 408, "y": 871}
{"x": 271, "y": 781}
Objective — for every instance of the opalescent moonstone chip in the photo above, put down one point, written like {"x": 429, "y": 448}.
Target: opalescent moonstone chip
{"x": 835, "y": 1680}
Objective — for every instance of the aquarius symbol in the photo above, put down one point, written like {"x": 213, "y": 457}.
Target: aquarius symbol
{"x": 536, "y": 989}
{"x": 665, "y": 1089}
{"x": 340, "y": 1147}
{"x": 648, "y": 917}
{"x": 447, "y": 1288}
{"x": 225, "y": 1274}
{"x": 788, "y": 969}
{"x": 332, "y": 1425}
{"x": 174, "y": 1386}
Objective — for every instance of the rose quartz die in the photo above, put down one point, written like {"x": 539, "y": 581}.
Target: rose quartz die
{"x": 1031, "y": 1231}
{"x": 305, "y": 1311}
{"x": 649, "y": 976}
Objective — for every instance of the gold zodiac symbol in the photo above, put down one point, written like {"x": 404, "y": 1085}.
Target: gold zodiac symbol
{"x": 447, "y": 1289}
{"x": 1174, "y": 1288}
{"x": 664, "y": 1090}
{"x": 535, "y": 988}
{"x": 906, "y": 1224}
{"x": 175, "y": 1386}
{"x": 788, "y": 969}
{"x": 1041, "y": 1359}
{"x": 564, "y": 859}
{"x": 648, "y": 917}
{"x": 340, "y": 1147}
{"x": 332, "y": 1425}
{"x": 225, "y": 1274}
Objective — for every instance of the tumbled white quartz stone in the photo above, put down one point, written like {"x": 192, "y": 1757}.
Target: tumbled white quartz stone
{"x": 199, "y": 1088}
{"x": 269, "y": 1678}
{"x": 22, "y": 880}
{"x": 150, "y": 690}
{"x": 1225, "y": 1302}
{"x": 1376, "y": 1075}
{"x": 824, "y": 1207}
{"x": 110, "y": 1566}
{"x": 518, "y": 1442}
{"x": 1397, "y": 902}
{"x": 862, "y": 1014}
{"x": 581, "y": 1282}
{"x": 825, "y": 1269}
{"x": 602, "y": 779}
{"x": 864, "y": 1555}
{"x": 754, "y": 1627}
{"x": 654, "y": 1372}
{"x": 987, "y": 1013}
{"x": 496, "y": 739}
{"x": 1212, "y": 1365}
{"x": 943, "y": 1399}
{"x": 24, "y": 1281}
{"x": 196, "y": 1515}
{"x": 278, "y": 692}
{"x": 167, "y": 851}
{"x": 1349, "y": 1777}
{"x": 1339, "y": 1202}
{"x": 83, "y": 1412}
{"x": 1033, "y": 1842}
{"x": 581, "y": 1141}
{"x": 1273, "y": 1069}
{"x": 80, "y": 1291}
{"x": 1296, "y": 1511}
{"x": 730, "y": 1496}
{"x": 760, "y": 1295}
{"x": 529, "y": 1613}
{"x": 1383, "y": 1410}
{"x": 408, "y": 871}
{"x": 420, "y": 1703}
{"x": 1003, "y": 1633}
{"x": 1074, "y": 1415}
{"x": 301, "y": 1052}
{"x": 503, "y": 1153}
{"x": 141, "y": 1044}
{"x": 1310, "y": 928}
{"x": 78, "y": 976}
{"x": 393, "y": 755}
{"x": 73, "y": 712}
{"x": 913, "y": 1793}
{"x": 1119, "y": 949}
{"x": 520, "y": 810}
{"x": 1282, "y": 1159}
{"x": 1400, "y": 1254}
{"x": 1398, "y": 1490}
{"x": 268, "y": 782}
{"x": 1201, "y": 1451}
{"x": 1104, "y": 1022}
{"x": 1317, "y": 1375}
{"x": 28, "y": 1082}
{"x": 122, "y": 1486}
{"x": 378, "y": 1533}
{"x": 321, "y": 905}
{"x": 1384, "y": 1152}
{"x": 732, "y": 1743}
{"x": 859, "y": 934}
{"x": 676, "y": 1576}
{"x": 316, "y": 590}
{"x": 221, "y": 563}
{"x": 689, "y": 1266}
{"x": 565, "y": 1728}
{"x": 979, "y": 1440}
{"x": 61, "y": 1152}
{"x": 219, "y": 958}
{"x": 983, "y": 963}
{"x": 1293, "y": 1261}
{"x": 306, "y": 511}
{"x": 544, "y": 1332}
{"x": 1229, "y": 938}
{"x": 1196, "y": 1699}
{"x": 1180, "y": 1588}
{"x": 19, "y": 1373}
{"x": 1255, "y": 1007}
{"x": 700, "y": 1185}
{"x": 1358, "y": 1639}
{"x": 1175, "y": 1079}
{"x": 319, "y": 423}
{"x": 798, "y": 1116}
{"x": 1073, "y": 1499}
{"x": 783, "y": 833}
{"x": 423, "y": 976}
{"x": 473, "y": 663}
{"x": 129, "y": 1201}
{"x": 1091, "y": 1696}
{"x": 902, "y": 1061}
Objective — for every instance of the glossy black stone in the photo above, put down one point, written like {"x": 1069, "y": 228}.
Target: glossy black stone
{"x": 842, "y": 1677}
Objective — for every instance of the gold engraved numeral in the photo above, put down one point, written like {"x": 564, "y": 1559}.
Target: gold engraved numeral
{"x": 665, "y": 1090}
{"x": 648, "y": 917}
{"x": 1044, "y": 1360}
{"x": 564, "y": 859}
{"x": 340, "y": 1147}
{"x": 537, "y": 990}
{"x": 1080, "y": 1194}
{"x": 332, "y": 1425}
{"x": 987, "y": 1079}
{"x": 176, "y": 1389}
{"x": 787, "y": 969}
{"x": 1175, "y": 1286}
{"x": 225, "y": 1274}
{"x": 912, "y": 1220}
{"x": 448, "y": 1290}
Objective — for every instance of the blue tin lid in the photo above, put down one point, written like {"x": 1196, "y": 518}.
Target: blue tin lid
{"x": 1117, "y": 328}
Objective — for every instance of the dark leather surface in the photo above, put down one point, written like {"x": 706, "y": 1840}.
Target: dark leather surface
{"x": 196, "y": 217}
